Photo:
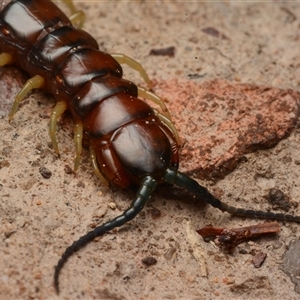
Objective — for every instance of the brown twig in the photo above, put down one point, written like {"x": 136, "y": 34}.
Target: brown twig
{"x": 230, "y": 238}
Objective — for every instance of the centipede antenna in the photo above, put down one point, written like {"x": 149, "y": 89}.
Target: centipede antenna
{"x": 173, "y": 176}
{"x": 148, "y": 185}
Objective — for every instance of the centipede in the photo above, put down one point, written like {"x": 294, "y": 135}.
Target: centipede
{"x": 132, "y": 144}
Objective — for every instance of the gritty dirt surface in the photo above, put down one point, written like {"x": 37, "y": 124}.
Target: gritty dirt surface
{"x": 258, "y": 45}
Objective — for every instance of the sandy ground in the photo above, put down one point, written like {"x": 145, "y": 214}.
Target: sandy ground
{"x": 41, "y": 217}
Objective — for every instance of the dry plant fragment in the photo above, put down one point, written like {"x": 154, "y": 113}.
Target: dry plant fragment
{"x": 228, "y": 239}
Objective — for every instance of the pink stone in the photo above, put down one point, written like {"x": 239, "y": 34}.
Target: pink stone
{"x": 219, "y": 122}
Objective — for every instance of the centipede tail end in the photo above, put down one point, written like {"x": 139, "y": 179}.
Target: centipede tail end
{"x": 148, "y": 185}
{"x": 175, "y": 177}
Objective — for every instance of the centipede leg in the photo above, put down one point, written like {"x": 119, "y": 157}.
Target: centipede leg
{"x": 78, "y": 135}
{"x": 57, "y": 111}
{"x": 148, "y": 185}
{"x": 124, "y": 59}
{"x": 96, "y": 168}
{"x": 142, "y": 92}
{"x": 155, "y": 99}
{"x": 32, "y": 83}
{"x": 77, "y": 17}
{"x": 169, "y": 124}
{"x": 165, "y": 116}
{"x": 5, "y": 59}
{"x": 173, "y": 176}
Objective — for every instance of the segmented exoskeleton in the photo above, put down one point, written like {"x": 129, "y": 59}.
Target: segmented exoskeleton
{"x": 132, "y": 145}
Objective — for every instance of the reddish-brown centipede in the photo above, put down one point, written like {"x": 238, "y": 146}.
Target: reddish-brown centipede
{"x": 132, "y": 145}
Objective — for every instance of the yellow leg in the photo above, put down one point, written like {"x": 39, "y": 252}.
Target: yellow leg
{"x": 32, "y": 83}
{"x": 77, "y": 17}
{"x": 124, "y": 59}
{"x": 78, "y": 135}
{"x": 95, "y": 167}
{"x": 142, "y": 92}
{"x": 169, "y": 124}
{"x": 5, "y": 59}
{"x": 165, "y": 116}
{"x": 57, "y": 111}
{"x": 154, "y": 98}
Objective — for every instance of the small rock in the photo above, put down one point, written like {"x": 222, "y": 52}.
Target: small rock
{"x": 149, "y": 261}
{"x": 278, "y": 199}
{"x": 258, "y": 259}
{"x": 46, "y": 173}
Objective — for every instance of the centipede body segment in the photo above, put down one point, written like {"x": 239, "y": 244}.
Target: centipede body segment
{"x": 132, "y": 145}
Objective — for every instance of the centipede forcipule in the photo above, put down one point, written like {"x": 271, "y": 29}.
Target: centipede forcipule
{"x": 132, "y": 145}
